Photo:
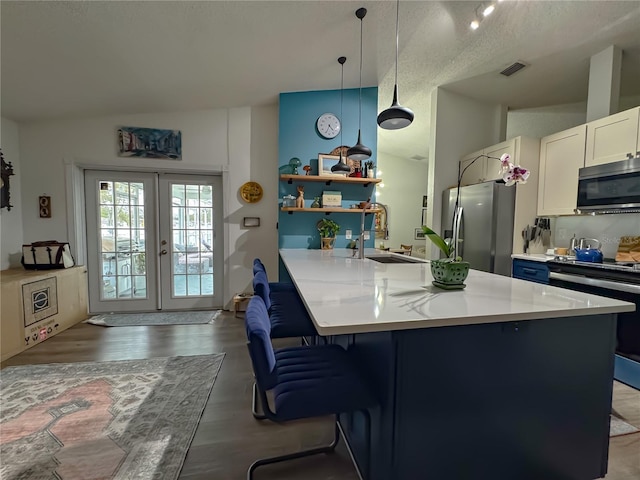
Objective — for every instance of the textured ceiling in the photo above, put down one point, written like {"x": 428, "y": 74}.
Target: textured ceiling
{"x": 77, "y": 59}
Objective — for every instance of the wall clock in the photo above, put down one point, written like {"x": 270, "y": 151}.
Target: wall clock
{"x": 251, "y": 192}
{"x": 328, "y": 125}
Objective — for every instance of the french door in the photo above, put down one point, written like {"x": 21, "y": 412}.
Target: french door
{"x": 151, "y": 241}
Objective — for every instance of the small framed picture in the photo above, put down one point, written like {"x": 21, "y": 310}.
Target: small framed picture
{"x": 325, "y": 162}
{"x": 424, "y": 201}
{"x": 424, "y": 216}
{"x": 419, "y": 234}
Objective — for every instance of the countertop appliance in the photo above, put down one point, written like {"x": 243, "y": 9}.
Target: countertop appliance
{"x": 610, "y": 188}
{"x": 611, "y": 279}
{"x": 482, "y": 226}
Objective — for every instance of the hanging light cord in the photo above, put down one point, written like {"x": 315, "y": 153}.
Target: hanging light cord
{"x": 360, "y": 91}
{"x": 341, "y": 93}
{"x": 397, "y": 36}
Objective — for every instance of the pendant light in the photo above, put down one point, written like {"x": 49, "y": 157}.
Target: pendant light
{"x": 396, "y": 116}
{"x": 341, "y": 166}
{"x": 360, "y": 151}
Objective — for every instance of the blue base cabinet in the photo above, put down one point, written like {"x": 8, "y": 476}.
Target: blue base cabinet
{"x": 530, "y": 270}
{"x": 497, "y": 400}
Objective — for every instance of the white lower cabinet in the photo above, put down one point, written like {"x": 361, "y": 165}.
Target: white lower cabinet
{"x": 561, "y": 156}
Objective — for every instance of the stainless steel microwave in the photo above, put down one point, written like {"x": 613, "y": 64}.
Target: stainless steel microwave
{"x": 610, "y": 187}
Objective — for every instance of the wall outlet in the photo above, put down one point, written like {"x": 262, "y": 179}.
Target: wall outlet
{"x": 367, "y": 235}
{"x": 348, "y": 235}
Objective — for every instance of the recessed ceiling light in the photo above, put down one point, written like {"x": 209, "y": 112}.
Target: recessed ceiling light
{"x": 488, "y": 9}
{"x": 474, "y": 25}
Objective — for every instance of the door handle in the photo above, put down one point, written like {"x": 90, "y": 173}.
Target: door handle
{"x": 163, "y": 252}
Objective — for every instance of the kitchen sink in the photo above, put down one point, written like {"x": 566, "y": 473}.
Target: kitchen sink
{"x": 392, "y": 259}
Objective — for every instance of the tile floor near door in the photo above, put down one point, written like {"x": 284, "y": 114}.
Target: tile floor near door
{"x": 228, "y": 439}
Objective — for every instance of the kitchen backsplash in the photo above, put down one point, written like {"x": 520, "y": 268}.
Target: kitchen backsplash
{"x": 606, "y": 228}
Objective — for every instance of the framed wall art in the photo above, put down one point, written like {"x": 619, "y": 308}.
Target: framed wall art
{"x": 149, "y": 143}
{"x": 419, "y": 234}
{"x": 325, "y": 162}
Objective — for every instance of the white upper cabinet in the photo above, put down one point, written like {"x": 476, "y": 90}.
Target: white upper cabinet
{"x": 473, "y": 170}
{"x": 561, "y": 156}
{"x": 613, "y": 138}
{"x": 486, "y": 169}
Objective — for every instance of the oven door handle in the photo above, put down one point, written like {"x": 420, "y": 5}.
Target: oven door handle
{"x": 595, "y": 282}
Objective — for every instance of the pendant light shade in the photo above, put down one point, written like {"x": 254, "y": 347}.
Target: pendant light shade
{"x": 360, "y": 151}
{"x": 341, "y": 166}
{"x": 396, "y": 116}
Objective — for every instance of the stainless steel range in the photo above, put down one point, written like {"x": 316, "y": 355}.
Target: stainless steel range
{"x": 614, "y": 280}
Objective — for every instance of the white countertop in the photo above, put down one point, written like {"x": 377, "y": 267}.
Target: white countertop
{"x": 535, "y": 257}
{"x": 347, "y": 295}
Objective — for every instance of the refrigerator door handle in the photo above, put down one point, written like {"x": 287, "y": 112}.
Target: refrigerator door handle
{"x": 456, "y": 232}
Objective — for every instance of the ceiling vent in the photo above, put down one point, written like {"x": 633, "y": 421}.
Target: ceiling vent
{"x": 513, "y": 68}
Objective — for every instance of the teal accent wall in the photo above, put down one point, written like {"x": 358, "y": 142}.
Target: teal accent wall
{"x": 298, "y": 137}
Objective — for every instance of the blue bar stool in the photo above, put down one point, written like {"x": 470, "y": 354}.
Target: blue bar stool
{"x": 288, "y": 318}
{"x": 258, "y": 266}
{"x": 307, "y": 381}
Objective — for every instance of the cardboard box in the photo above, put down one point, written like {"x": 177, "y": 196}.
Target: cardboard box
{"x": 331, "y": 198}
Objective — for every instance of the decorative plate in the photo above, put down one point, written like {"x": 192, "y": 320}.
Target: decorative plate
{"x": 251, "y": 192}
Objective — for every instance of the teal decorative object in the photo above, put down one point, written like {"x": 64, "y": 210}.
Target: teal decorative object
{"x": 291, "y": 168}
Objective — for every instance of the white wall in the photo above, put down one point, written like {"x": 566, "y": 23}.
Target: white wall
{"x": 542, "y": 121}
{"x": 213, "y": 141}
{"x": 11, "y": 221}
{"x": 459, "y": 125}
{"x": 539, "y": 122}
{"x": 407, "y": 181}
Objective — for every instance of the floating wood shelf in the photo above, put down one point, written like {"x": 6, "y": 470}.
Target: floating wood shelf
{"x": 328, "y": 180}
{"x": 328, "y": 210}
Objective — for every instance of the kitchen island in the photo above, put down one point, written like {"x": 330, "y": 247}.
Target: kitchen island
{"x": 505, "y": 379}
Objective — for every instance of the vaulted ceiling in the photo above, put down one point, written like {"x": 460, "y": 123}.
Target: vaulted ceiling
{"x": 91, "y": 58}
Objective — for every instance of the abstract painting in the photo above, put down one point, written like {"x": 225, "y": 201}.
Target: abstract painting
{"x": 149, "y": 143}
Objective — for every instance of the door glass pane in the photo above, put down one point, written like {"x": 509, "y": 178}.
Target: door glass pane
{"x": 122, "y": 242}
{"x": 192, "y": 236}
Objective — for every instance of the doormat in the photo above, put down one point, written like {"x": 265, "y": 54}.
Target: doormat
{"x": 156, "y": 318}
{"x": 620, "y": 427}
{"x": 103, "y": 420}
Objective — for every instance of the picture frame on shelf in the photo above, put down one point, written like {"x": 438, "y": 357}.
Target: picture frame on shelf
{"x": 325, "y": 162}
{"x": 418, "y": 234}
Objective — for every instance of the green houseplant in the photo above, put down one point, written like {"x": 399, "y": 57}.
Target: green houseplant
{"x": 328, "y": 230}
{"x": 449, "y": 272}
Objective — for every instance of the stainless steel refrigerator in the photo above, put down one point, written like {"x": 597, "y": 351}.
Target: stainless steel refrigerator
{"x": 482, "y": 225}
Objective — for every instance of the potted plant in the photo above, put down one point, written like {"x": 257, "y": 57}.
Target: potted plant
{"x": 449, "y": 272}
{"x": 328, "y": 230}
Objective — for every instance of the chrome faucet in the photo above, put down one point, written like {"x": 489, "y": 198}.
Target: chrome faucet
{"x": 361, "y": 239}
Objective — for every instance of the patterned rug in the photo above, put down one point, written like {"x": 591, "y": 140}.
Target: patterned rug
{"x": 131, "y": 419}
{"x": 620, "y": 427}
{"x": 156, "y": 318}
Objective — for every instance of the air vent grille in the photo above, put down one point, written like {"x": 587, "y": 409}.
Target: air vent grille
{"x": 513, "y": 68}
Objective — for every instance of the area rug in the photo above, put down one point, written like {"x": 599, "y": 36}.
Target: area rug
{"x": 131, "y": 419}
{"x": 620, "y": 427}
{"x": 156, "y": 318}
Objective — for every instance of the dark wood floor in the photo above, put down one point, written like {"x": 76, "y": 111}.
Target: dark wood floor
{"x": 228, "y": 439}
